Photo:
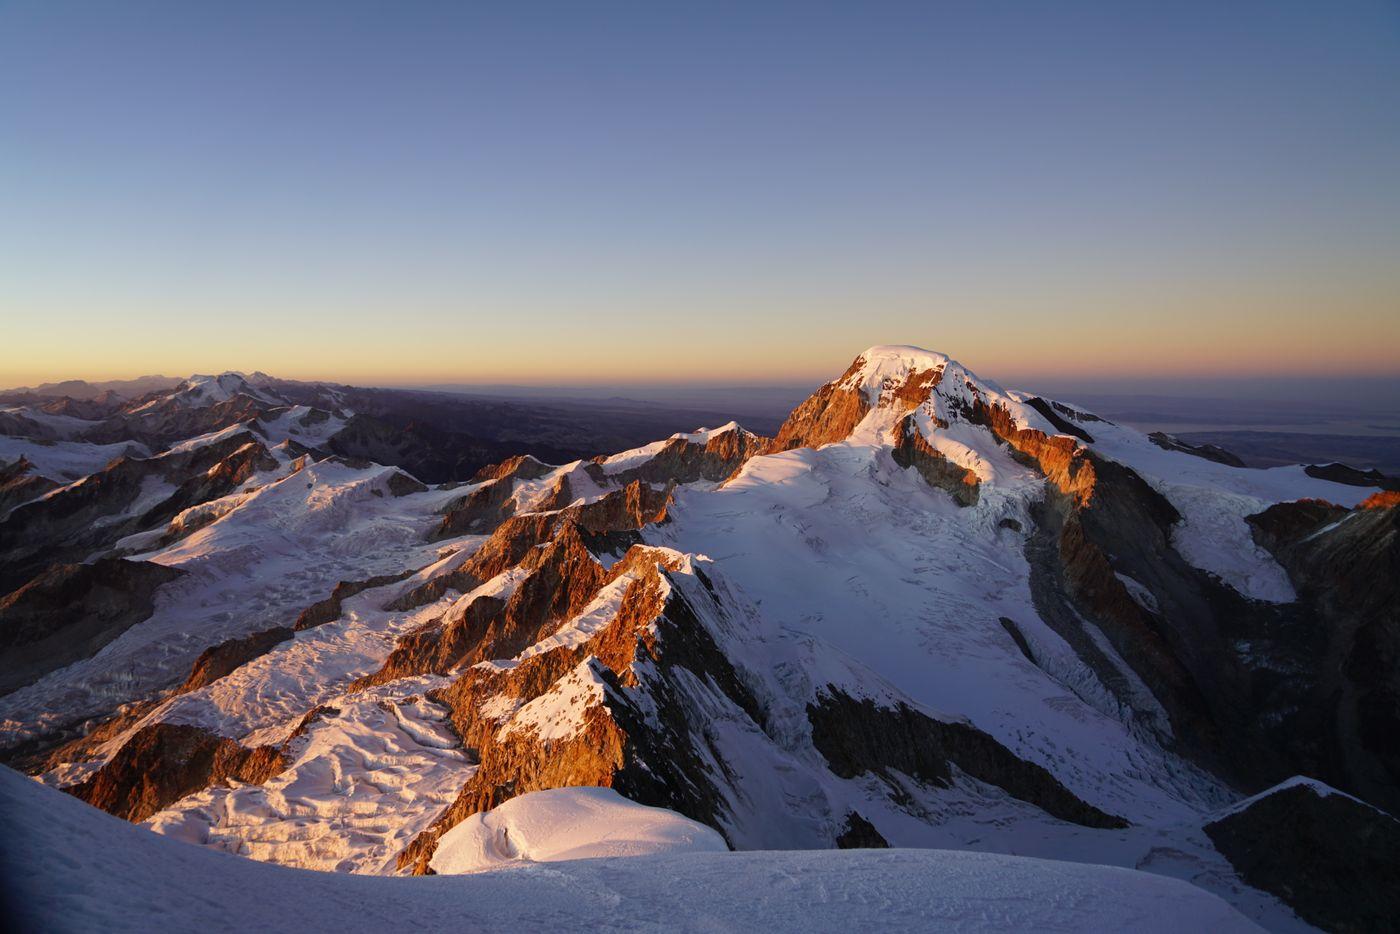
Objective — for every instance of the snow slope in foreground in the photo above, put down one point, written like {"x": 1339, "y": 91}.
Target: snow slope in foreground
{"x": 566, "y": 824}
{"x": 68, "y": 867}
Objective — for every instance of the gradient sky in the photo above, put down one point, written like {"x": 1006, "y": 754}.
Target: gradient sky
{"x": 518, "y": 192}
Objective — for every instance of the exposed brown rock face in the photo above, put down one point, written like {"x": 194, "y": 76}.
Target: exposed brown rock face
{"x": 437, "y": 646}
{"x": 71, "y": 611}
{"x": 650, "y": 759}
{"x": 632, "y": 507}
{"x": 521, "y": 467}
{"x": 486, "y": 507}
{"x": 1282, "y": 524}
{"x": 163, "y": 762}
{"x": 859, "y": 737}
{"x": 563, "y": 577}
{"x": 330, "y": 609}
{"x": 1107, "y": 521}
{"x": 619, "y": 511}
{"x": 1329, "y": 858}
{"x": 213, "y": 663}
{"x": 508, "y": 545}
{"x": 830, "y": 414}
{"x": 911, "y": 449}
{"x": 1103, "y": 520}
{"x": 1060, "y": 416}
{"x": 833, "y": 411}
{"x": 1388, "y": 499}
{"x": 478, "y": 511}
{"x": 684, "y": 461}
{"x": 518, "y": 765}
{"x": 1346, "y": 569}
{"x": 1061, "y": 459}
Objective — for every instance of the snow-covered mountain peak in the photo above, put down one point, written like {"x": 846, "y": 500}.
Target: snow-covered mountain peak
{"x": 888, "y": 384}
{"x": 886, "y": 364}
{"x": 208, "y": 390}
{"x": 889, "y": 371}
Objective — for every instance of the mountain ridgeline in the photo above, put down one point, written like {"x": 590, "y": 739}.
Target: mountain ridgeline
{"x": 295, "y": 622}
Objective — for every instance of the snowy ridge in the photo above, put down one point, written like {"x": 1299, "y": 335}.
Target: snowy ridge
{"x": 1321, "y": 789}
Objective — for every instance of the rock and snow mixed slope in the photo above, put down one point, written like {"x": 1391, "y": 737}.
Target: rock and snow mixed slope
{"x": 97, "y": 874}
{"x": 930, "y": 612}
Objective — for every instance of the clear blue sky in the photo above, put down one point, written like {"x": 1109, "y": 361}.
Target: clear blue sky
{"x": 552, "y": 192}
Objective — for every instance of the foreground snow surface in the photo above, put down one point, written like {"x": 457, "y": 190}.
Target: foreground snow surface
{"x": 69, "y": 867}
{"x": 567, "y": 824}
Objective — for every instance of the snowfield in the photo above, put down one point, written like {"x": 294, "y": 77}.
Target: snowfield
{"x": 566, "y": 824}
{"x": 72, "y": 869}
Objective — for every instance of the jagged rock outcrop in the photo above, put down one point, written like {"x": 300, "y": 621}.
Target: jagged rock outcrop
{"x": 401, "y": 484}
{"x": 1345, "y": 566}
{"x": 859, "y": 736}
{"x": 911, "y": 449}
{"x": 328, "y": 610}
{"x": 20, "y": 483}
{"x": 217, "y": 661}
{"x": 560, "y": 578}
{"x": 163, "y": 762}
{"x": 241, "y": 465}
{"x": 834, "y": 410}
{"x": 519, "y": 467}
{"x": 830, "y": 415}
{"x": 860, "y": 834}
{"x": 1351, "y": 476}
{"x": 684, "y": 460}
{"x": 1064, "y": 418}
{"x": 1330, "y": 858}
{"x": 626, "y": 724}
{"x": 561, "y": 575}
{"x": 1211, "y": 452}
{"x": 478, "y": 511}
{"x": 70, "y": 612}
{"x": 1386, "y": 500}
